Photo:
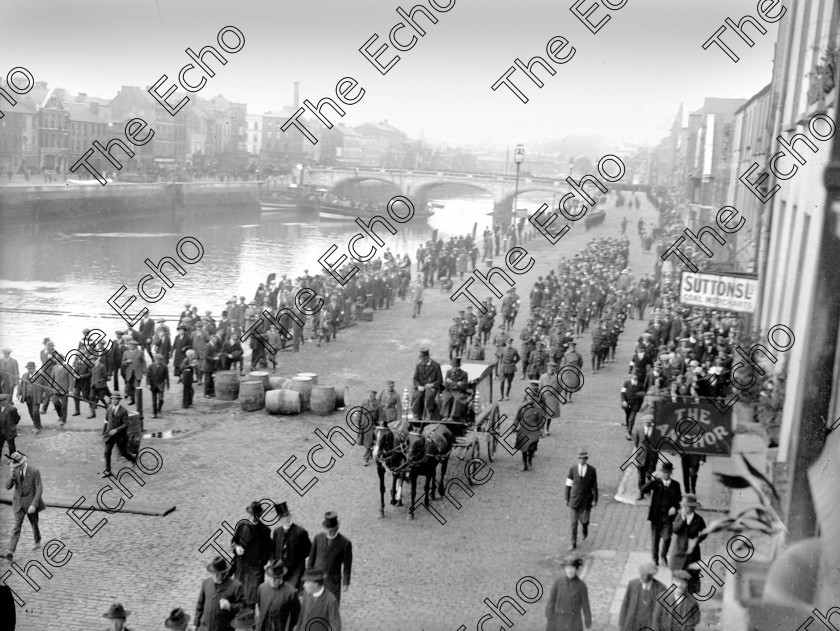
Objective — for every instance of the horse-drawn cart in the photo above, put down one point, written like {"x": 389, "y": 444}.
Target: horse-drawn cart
{"x": 481, "y": 415}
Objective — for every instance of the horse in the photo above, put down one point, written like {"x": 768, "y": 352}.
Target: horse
{"x": 390, "y": 452}
{"x": 425, "y": 451}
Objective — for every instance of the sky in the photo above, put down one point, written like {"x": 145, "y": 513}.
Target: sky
{"x": 625, "y": 83}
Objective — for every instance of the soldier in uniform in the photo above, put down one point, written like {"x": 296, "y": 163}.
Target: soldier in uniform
{"x": 488, "y": 318}
{"x": 390, "y": 404}
{"x": 500, "y": 342}
{"x": 572, "y": 358}
{"x": 476, "y": 351}
{"x": 569, "y": 600}
{"x": 462, "y": 334}
{"x": 471, "y": 322}
{"x": 537, "y": 361}
{"x": 549, "y": 380}
{"x": 508, "y": 361}
{"x": 427, "y": 382}
{"x": 527, "y": 339}
{"x": 454, "y": 400}
{"x": 367, "y": 421}
{"x": 455, "y": 337}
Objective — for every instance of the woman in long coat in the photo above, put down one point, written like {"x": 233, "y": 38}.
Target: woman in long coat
{"x": 569, "y": 600}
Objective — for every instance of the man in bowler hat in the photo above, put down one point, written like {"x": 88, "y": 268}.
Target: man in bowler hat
{"x": 332, "y": 553}
{"x": 646, "y": 461}
{"x": 581, "y": 494}
{"x": 278, "y": 607}
{"x": 290, "y": 544}
{"x": 638, "y": 609}
{"x": 252, "y": 548}
{"x": 26, "y": 501}
{"x": 220, "y": 599}
{"x": 117, "y": 614}
{"x": 318, "y": 604}
{"x": 567, "y": 608}
{"x": 664, "y": 505}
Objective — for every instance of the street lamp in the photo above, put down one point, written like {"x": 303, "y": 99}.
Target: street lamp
{"x": 518, "y": 158}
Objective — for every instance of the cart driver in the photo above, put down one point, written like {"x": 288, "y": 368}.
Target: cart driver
{"x": 454, "y": 400}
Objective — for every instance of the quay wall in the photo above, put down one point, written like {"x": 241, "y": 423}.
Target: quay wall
{"x": 81, "y": 203}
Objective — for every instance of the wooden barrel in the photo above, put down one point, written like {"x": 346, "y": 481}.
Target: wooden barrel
{"x": 260, "y": 375}
{"x": 251, "y": 395}
{"x": 276, "y": 383}
{"x": 342, "y": 396}
{"x": 282, "y": 402}
{"x": 304, "y": 386}
{"x": 322, "y": 400}
{"x": 227, "y": 385}
{"x": 312, "y": 375}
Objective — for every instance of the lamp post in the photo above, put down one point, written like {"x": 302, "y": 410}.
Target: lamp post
{"x": 518, "y": 158}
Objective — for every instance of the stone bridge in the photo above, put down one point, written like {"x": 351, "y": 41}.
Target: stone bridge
{"x": 420, "y": 186}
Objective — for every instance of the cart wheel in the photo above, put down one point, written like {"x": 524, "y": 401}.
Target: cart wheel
{"x": 491, "y": 436}
{"x": 475, "y": 452}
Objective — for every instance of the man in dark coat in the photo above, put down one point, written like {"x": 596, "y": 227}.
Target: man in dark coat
{"x": 179, "y": 349}
{"x": 33, "y": 392}
{"x": 646, "y": 460}
{"x": 252, "y": 548}
{"x": 114, "y": 363}
{"x": 664, "y": 504}
{"x": 528, "y": 426}
{"x": 158, "y": 380}
{"x": 115, "y": 432}
{"x": 639, "y": 607}
{"x": 9, "y": 419}
{"x": 278, "y": 607}
{"x": 391, "y": 404}
{"x": 567, "y": 608}
{"x": 318, "y": 606}
{"x": 686, "y": 534}
{"x": 147, "y": 335}
{"x": 291, "y": 545}
{"x": 135, "y": 365}
{"x": 682, "y": 617}
{"x": 220, "y": 599}
{"x": 427, "y": 383}
{"x": 581, "y": 494}
{"x": 332, "y": 553}
{"x": 26, "y": 501}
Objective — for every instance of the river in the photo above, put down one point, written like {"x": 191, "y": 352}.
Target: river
{"x": 56, "y": 283}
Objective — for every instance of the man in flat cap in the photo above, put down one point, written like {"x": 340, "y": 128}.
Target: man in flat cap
{"x": 278, "y": 607}
{"x": 135, "y": 367}
{"x": 318, "y": 606}
{"x": 664, "y": 504}
{"x": 428, "y": 381}
{"x": 251, "y": 545}
{"x": 26, "y": 501}
{"x": 638, "y": 609}
{"x": 157, "y": 379}
{"x": 645, "y": 444}
{"x": 567, "y": 608}
{"x": 332, "y": 553}
{"x": 33, "y": 392}
{"x": 291, "y": 545}
{"x": 581, "y": 494}
{"x": 684, "y": 616}
{"x": 220, "y": 599}
{"x": 9, "y": 373}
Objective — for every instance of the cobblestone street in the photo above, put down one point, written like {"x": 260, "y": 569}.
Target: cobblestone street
{"x": 417, "y": 575}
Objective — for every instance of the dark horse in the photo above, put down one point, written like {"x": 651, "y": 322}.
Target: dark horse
{"x": 390, "y": 452}
{"x": 425, "y": 451}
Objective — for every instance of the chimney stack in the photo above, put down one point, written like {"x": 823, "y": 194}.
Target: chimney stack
{"x": 296, "y": 101}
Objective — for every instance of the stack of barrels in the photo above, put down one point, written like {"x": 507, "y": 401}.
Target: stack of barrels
{"x": 279, "y": 395}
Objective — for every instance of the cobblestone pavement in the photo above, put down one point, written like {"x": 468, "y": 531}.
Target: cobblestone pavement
{"x": 416, "y": 575}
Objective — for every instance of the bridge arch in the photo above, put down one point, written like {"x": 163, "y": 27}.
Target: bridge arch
{"x": 348, "y": 187}
{"x": 505, "y": 204}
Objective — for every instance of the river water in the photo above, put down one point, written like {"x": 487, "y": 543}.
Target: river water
{"x": 56, "y": 283}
